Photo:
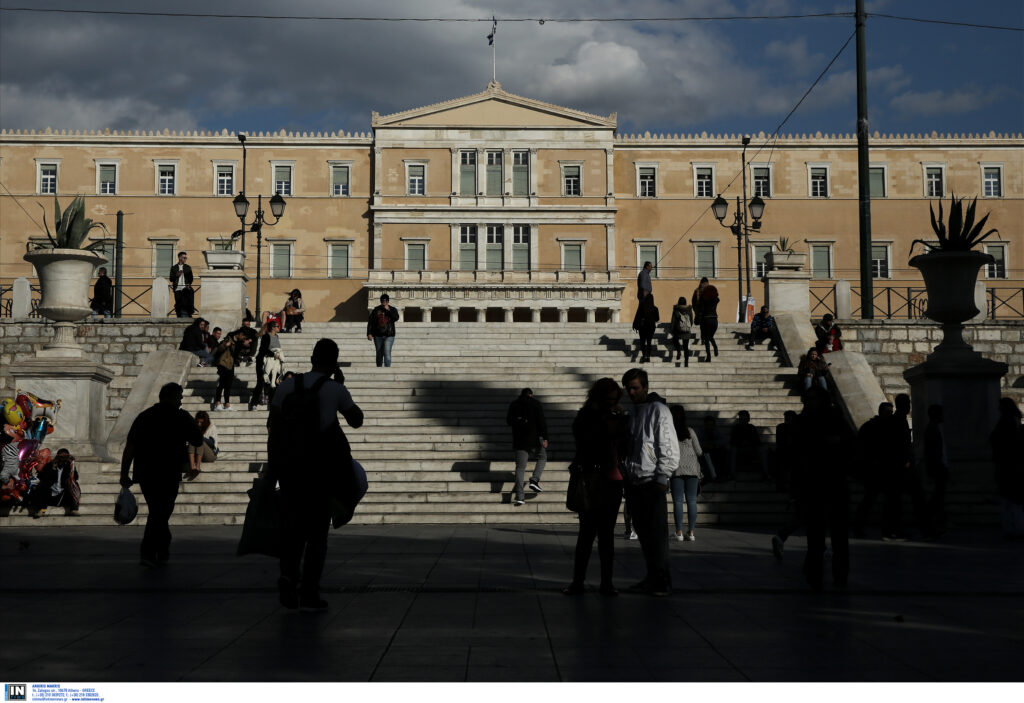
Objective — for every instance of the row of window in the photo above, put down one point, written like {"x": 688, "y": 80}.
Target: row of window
{"x": 706, "y": 256}
{"x": 166, "y": 174}
{"x": 819, "y": 182}
{"x": 818, "y": 178}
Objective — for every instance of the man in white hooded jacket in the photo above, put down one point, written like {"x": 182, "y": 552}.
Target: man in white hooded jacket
{"x": 652, "y": 459}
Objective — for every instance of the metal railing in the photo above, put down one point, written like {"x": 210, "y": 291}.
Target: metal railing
{"x": 135, "y": 297}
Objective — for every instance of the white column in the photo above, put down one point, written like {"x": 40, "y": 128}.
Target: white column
{"x": 506, "y": 244}
{"x": 455, "y": 170}
{"x": 615, "y": 315}
{"x": 609, "y": 238}
{"x": 481, "y": 247}
{"x": 481, "y": 171}
{"x": 534, "y": 314}
{"x": 481, "y": 314}
{"x": 508, "y": 314}
{"x": 21, "y": 299}
{"x": 534, "y": 236}
{"x": 563, "y": 315}
{"x": 506, "y": 172}
{"x": 533, "y": 176}
{"x": 609, "y": 169}
{"x": 456, "y": 233}
{"x": 377, "y": 174}
{"x": 428, "y": 314}
{"x": 591, "y": 314}
{"x": 453, "y": 315}
{"x": 378, "y": 246}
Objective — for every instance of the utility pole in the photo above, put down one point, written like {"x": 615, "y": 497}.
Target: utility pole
{"x": 867, "y": 294}
{"x": 118, "y": 263}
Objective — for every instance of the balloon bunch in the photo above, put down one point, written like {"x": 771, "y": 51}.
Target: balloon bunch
{"x": 27, "y": 420}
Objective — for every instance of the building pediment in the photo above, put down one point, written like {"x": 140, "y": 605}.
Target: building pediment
{"x": 494, "y": 108}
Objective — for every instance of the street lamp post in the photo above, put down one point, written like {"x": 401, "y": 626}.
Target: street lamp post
{"x": 241, "y": 204}
{"x": 741, "y": 228}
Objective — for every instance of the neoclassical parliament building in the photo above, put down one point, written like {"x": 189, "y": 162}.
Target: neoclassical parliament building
{"x": 500, "y": 207}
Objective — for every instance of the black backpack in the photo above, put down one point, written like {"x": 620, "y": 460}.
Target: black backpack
{"x": 301, "y": 419}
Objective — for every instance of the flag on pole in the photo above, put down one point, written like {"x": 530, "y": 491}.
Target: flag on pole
{"x": 494, "y": 30}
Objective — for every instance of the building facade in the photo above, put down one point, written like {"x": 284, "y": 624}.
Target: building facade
{"x": 500, "y": 207}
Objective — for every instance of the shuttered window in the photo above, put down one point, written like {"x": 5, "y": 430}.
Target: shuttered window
{"x": 879, "y": 261}
{"x": 283, "y": 180}
{"x": 876, "y": 181}
{"x": 821, "y": 261}
{"x": 467, "y": 173}
{"x": 280, "y": 260}
{"x": 520, "y": 173}
{"x": 495, "y": 177}
{"x": 163, "y": 258}
{"x": 339, "y": 261}
{"x": 495, "y": 247}
{"x": 649, "y": 252}
{"x": 573, "y": 257}
{"x": 339, "y": 180}
{"x": 997, "y": 269}
{"x": 520, "y": 247}
{"x": 108, "y": 180}
{"x": 467, "y": 248}
{"x": 416, "y": 257}
{"x": 705, "y": 263}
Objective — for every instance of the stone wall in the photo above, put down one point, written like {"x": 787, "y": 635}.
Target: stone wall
{"x": 120, "y": 345}
{"x": 891, "y": 346}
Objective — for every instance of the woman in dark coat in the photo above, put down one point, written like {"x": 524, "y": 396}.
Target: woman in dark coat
{"x": 708, "y": 316}
{"x": 601, "y": 431}
{"x": 645, "y": 322}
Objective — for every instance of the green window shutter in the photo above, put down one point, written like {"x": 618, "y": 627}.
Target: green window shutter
{"x": 495, "y": 257}
{"x": 339, "y": 261}
{"x": 164, "y": 258}
{"x": 705, "y": 261}
{"x": 820, "y": 262}
{"x": 573, "y": 257}
{"x": 467, "y": 180}
{"x": 467, "y": 257}
{"x": 520, "y": 180}
{"x": 280, "y": 261}
{"x": 520, "y": 257}
{"x": 876, "y": 182}
{"x": 282, "y": 173}
{"x": 108, "y": 173}
{"x": 339, "y": 180}
{"x": 649, "y": 253}
{"x": 417, "y": 255}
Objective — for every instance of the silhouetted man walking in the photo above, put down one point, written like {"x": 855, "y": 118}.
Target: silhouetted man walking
{"x": 156, "y": 446}
{"x": 310, "y": 457}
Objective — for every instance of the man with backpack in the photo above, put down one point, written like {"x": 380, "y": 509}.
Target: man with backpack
{"x": 380, "y": 329}
{"x": 309, "y": 455}
{"x": 529, "y": 439}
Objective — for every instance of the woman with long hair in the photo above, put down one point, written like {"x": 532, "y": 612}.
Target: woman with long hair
{"x": 601, "y": 431}
{"x": 270, "y": 345}
{"x": 685, "y": 480}
{"x": 294, "y": 312}
{"x": 207, "y": 451}
{"x": 708, "y": 316}
{"x": 682, "y": 323}
{"x": 645, "y": 322}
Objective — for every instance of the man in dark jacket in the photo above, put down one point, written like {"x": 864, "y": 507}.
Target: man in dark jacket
{"x": 181, "y": 284}
{"x": 103, "y": 295}
{"x": 380, "y": 329}
{"x": 193, "y": 340}
{"x": 762, "y": 327}
{"x": 58, "y": 485}
{"x": 529, "y": 440}
{"x": 244, "y": 353}
{"x": 156, "y": 445}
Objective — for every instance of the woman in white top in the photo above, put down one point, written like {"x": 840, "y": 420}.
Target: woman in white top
{"x": 686, "y": 479}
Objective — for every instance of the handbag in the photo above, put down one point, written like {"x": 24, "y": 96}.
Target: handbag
{"x": 582, "y": 493}
{"x": 261, "y": 531}
{"x": 347, "y": 495}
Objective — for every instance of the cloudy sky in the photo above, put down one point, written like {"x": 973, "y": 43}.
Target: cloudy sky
{"x": 129, "y": 72}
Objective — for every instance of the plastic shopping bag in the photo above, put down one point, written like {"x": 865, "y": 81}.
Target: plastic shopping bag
{"x": 261, "y": 531}
{"x": 125, "y": 507}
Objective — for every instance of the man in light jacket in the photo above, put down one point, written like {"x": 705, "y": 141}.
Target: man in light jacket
{"x": 653, "y": 458}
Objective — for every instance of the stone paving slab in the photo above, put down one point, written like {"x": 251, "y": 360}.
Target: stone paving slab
{"x": 483, "y": 603}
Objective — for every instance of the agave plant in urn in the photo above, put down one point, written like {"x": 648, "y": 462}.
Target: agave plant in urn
{"x": 65, "y": 267}
{"x": 950, "y": 271}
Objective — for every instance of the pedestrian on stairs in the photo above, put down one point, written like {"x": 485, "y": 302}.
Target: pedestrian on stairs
{"x": 653, "y": 457}
{"x": 155, "y": 450}
{"x": 224, "y": 358}
{"x": 707, "y": 304}
{"x": 380, "y": 329}
{"x": 682, "y": 324}
{"x": 529, "y": 441}
{"x": 645, "y": 322}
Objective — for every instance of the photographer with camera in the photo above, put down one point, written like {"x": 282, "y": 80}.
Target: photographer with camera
{"x": 58, "y": 485}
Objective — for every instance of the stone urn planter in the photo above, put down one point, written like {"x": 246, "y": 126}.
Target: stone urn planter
{"x": 786, "y": 260}
{"x": 221, "y": 259}
{"x": 950, "y": 277}
{"x": 64, "y": 276}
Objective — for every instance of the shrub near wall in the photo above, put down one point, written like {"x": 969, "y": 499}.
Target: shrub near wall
{"x": 892, "y": 346}
{"x": 121, "y": 346}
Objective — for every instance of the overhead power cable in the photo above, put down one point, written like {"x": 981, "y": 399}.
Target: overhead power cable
{"x": 541, "y": 20}
{"x": 947, "y": 22}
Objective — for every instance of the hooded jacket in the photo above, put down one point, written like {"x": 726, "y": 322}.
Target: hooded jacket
{"x": 654, "y": 455}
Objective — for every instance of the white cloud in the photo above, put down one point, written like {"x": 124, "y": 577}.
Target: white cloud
{"x": 19, "y": 107}
{"x": 940, "y": 102}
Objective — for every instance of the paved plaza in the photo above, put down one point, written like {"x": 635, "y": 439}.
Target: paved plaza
{"x": 476, "y": 603}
